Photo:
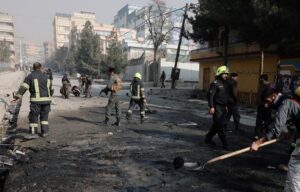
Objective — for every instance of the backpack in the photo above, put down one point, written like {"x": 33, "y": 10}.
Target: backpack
{"x": 117, "y": 85}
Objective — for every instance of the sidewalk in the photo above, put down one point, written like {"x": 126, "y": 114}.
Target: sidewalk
{"x": 185, "y": 95}
{"x": 9, "y": 82}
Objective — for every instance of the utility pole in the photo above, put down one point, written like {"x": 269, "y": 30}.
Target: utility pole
{"x": 175, "y": 70}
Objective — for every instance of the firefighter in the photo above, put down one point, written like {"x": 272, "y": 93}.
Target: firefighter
{"x": 114, "y": 86}
{"x": 39, "y": 86}
{"x": 137, "y": 97}
{"x": 289, "y": 109}
{"x": 217, "y": 102}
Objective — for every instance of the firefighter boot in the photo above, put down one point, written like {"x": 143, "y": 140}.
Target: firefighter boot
{"x": 105, "y": 122}
{"x": 128, "y": 116}
{"x": 117, "y": 123}
{"x": 33, "y": 130}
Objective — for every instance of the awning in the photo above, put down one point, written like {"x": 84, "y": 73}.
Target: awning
{"x": 294, "y": 63}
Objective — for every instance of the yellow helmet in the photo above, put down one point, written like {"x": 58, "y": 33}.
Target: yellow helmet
{"x": 297, "y": 91}
{"x": 138, "y": 75}
{"x": 222, "y": 69}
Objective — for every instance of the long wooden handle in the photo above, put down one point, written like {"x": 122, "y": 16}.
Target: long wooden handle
{"x": 238, "y": 152}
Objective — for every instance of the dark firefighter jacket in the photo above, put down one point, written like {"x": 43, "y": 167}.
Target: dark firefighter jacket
{"x": 39, "y": 86}
{"x": 218, "y": 93}
{"x": 137, "y": 90}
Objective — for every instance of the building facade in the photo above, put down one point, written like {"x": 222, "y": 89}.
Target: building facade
{"x": 33, "y": 52}
{"x": 246, "y": 61}
{"x": 142, "y": 47}
{"x": 7, "y": 34}
{"x": 64, "y": 23}
{"x": 62, "y": 28}
{"x": 48, "y": 49}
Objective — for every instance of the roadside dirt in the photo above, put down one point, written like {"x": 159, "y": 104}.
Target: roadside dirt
{"x": 81, "y": 154}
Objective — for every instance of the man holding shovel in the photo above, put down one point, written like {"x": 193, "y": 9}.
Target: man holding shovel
{"x": 289, "y": 109}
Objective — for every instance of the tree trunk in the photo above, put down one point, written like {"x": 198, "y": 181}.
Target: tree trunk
{"x": 260, "y": 71}
{"x": 155, "y": 68}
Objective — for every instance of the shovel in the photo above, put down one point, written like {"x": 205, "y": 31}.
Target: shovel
{"x": 179, "y": 162}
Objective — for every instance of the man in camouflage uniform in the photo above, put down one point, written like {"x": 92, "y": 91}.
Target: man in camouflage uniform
{"x": 113, "y": 101}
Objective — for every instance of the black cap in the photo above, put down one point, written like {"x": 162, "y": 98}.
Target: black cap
{"x": 111, "y": 69}
{"x": 268, "y": 92}
{"x": 233, "y": 75}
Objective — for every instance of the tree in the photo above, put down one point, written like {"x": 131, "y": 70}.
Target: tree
{"x": 115, "y": 57}
{"x": 59, "y": 59}
{"x": 263, "y": 22}
{"x": 4, "y": 51}
{"x": 70, "y": 61}
{"x": 290, "y": 42}
{"x": 214, "y": 20}
{"x": 159, "y": 28}
{"x": 89, "y": 54}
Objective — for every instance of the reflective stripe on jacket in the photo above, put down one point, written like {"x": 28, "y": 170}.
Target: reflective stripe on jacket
{"x": 137, "y": 90}
{"x": 39, "y": 86}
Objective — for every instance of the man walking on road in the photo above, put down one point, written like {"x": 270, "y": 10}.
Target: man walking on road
{"x": 233, "y": 108}
{"x": 114, "y": 86}
{"x": 162, "y": 79}
{"x": 288, "y": 109}
{"x": 66, "y": 86}
{"x": 88, "y": 86}
{"x": 39, "y": 86}
{"x": 137, "y": 96}
{"x": 217, "y": 102}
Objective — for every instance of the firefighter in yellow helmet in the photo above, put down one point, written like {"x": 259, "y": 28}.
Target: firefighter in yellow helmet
{"x": 137, "y": 96}
{"x": 217, "y": 101}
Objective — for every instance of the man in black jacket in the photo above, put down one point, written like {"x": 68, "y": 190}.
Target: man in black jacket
{"x": 233, "y": 108}
{"x": 263, "y": 116}
{"x": 39, "y": 86}
{"x": 217, "y": 102}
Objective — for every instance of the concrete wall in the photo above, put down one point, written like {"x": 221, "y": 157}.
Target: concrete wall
{"x": 188, "y": 71}
{"x": 131, "y": 70}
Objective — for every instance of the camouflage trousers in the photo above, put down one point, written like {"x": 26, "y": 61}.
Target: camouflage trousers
{"x": 113, "y": 103}
{"x": 292, "y": 183}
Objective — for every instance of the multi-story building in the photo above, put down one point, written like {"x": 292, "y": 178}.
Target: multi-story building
{"x": 64, "y": 23}
{"x": 48, "y": 49}
{"x": 125, "y": 17}
{"x": 134, "y": 17}
{"x": 7, "y": 34}
{"x": 33, "y": 52}
{"x": 19, "y": 51}
{"x": 62, "y": 28}
{"x": 140, "y": 50}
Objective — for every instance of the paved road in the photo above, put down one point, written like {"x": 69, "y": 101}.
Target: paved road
{"x": 81, "y": 154}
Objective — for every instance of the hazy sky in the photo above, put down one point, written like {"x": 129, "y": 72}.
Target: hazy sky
{"x": 34, "y": 18}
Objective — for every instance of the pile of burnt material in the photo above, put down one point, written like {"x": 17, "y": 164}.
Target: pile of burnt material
{"x": 9, "y": 153}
